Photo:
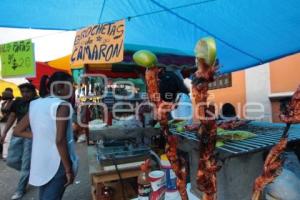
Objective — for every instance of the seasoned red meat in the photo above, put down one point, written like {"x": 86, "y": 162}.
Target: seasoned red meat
{"x": 292, "y": 115}
{"x": 207, "y": 168}
{"x": 162, "y": 111}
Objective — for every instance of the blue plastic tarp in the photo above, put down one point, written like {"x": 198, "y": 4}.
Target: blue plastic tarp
{"x": 248, "y": 32}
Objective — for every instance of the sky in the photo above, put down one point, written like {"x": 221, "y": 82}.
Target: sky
{"x": 48, "y": 44}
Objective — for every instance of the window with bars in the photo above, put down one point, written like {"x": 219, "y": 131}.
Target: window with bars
{"x": 221, "y": 81}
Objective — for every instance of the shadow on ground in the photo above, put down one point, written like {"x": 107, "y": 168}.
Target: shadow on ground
{"x": 80, "y": 190}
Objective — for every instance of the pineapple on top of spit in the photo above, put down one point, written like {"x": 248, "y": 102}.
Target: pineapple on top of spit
{"x": 207, "y": 65}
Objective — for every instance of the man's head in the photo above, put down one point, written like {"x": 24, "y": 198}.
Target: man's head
{"x": 9, "y": 90}
{"x": 7, "y": 94}
{"x": 28, "y": 91}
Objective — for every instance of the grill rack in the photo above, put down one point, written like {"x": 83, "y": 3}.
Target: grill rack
{"x": 268, "y": 134}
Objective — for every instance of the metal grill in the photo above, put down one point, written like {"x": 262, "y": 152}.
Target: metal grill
{"x": 267, "y": 135}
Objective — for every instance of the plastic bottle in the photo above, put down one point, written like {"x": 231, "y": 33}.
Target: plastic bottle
{"x": 144, "y": 186}
{"x": 170, "y": 175}
{"x": 107, "y": 193}
{"x": 100, "y": 147}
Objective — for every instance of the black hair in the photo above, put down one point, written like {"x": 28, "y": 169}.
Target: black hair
{"x": 46, "y": 81}
{"x": 9, "y": 89}
{"x": 169, "y": 85}
{"x": 228, "y": 110}
{"x": 7, "y": 95}
{"x": 29, "y": 86}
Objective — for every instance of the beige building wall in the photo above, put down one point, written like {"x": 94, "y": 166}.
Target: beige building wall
{"x": 257, "y": 93}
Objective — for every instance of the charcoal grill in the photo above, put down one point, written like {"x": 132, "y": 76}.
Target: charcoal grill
{"x": 241, "y": 161}
{"x": 267, "y": 135}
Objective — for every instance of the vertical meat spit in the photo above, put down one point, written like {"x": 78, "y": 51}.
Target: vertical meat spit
{"x": 274, "y": 162}
{"x": 207, "y": 168}
{"x": 163, "y": 108}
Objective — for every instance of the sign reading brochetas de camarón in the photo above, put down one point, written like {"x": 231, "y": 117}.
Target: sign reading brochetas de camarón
{"x": 102, "y": 43}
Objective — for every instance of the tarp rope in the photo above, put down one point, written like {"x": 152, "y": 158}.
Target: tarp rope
{"x": 101, "y": 12}
{"x": 128, "y": 18}
{"x": 206, "y": 31}
{"x": 171, "y": 8}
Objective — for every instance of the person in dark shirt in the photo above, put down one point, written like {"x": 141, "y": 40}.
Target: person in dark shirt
{"x": 18, "y": 110}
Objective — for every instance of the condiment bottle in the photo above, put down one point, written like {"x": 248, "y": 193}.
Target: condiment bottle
{"x": 144, "y": 186}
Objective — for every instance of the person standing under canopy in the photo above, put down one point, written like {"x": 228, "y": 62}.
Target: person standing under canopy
{"x": 6, "y": 103}
{"x": 54, "y": 162}
{"x": 19, "y": 152}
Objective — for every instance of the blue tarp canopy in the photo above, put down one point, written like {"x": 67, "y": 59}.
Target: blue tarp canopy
{"x": 248, "y": 32}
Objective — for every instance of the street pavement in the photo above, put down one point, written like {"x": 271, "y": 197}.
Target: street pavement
{"x": 80, "y": 190}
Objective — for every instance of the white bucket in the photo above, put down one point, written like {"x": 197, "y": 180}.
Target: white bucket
{"x": 157, "y": 179}
{"x": 172, "y": 195}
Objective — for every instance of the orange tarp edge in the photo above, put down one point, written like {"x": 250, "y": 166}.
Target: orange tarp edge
{"x": 63, "y": 63}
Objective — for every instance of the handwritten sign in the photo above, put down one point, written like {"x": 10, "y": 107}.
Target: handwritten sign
{"x": 17, "y": 59}
{"x": 102, "y": 43}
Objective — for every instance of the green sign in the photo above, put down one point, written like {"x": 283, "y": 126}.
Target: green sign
{"x": 17, "y": 59}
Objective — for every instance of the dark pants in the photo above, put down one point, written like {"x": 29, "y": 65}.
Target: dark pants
{"x": 54, "y": 189}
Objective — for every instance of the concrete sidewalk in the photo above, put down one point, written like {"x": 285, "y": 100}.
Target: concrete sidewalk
{"x": 80, "y": 190}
